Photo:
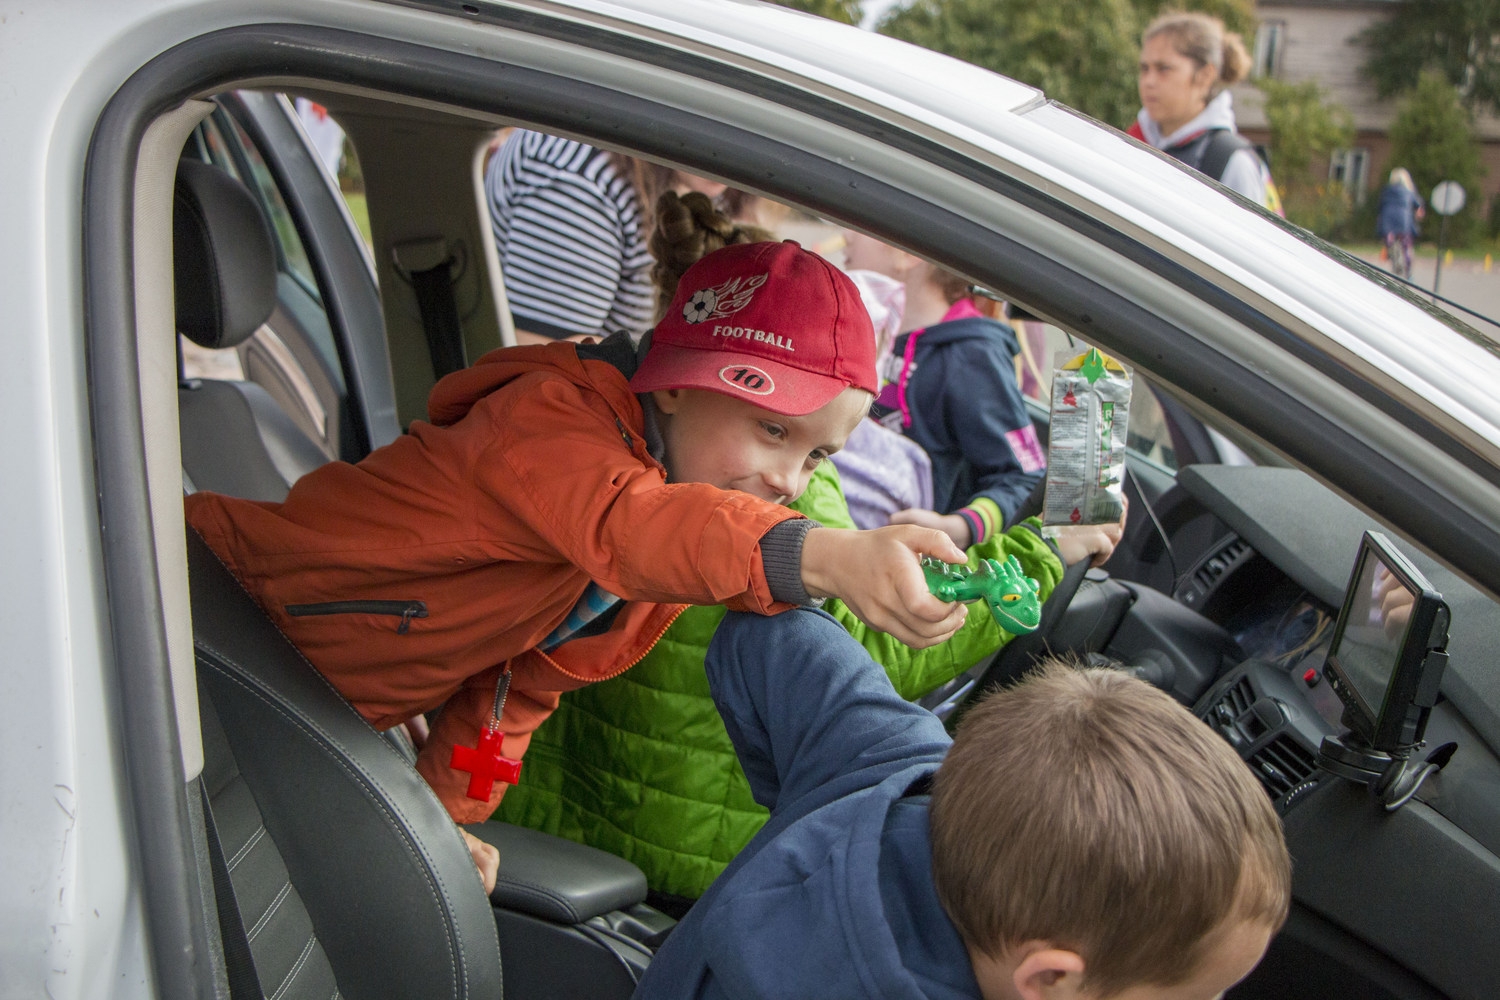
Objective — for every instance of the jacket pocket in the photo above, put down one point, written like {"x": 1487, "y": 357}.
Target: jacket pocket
{"x": 404, "y": 610}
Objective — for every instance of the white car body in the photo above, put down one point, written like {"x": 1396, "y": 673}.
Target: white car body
{"x": 73, "y": 923}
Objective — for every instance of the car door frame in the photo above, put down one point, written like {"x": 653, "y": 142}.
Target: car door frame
{"x": 576, "y": 106}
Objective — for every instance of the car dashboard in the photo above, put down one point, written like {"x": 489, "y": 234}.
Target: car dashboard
{"x": 1242, "y": 638}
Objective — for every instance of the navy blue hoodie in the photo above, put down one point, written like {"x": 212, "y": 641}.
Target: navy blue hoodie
{"x": 968, "y": 414}
{"x": 834, "y": 896}
{"x": 1398, "y": 212}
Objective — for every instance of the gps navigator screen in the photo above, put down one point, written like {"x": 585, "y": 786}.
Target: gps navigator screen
{"x": 1375, "y": 625}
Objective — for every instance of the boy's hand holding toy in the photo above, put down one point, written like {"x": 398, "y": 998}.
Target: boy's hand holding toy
{"x": 873, "y": 572}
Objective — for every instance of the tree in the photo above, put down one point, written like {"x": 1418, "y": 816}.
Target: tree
{"x": 1433, "y": 138}
{"x": 1237, "y": 15}
{"x": 837, "y": 10}
{"x": 1305, "y": 129}
{"x": 1083, "y": 53}
{"x": 1080, "y": 52}
{"x": 1460, "y": 39}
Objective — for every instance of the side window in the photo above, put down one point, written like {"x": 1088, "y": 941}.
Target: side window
{"x": 336, "y": 152}
{"x": 1351, "y": 168}
{"x": 291, "y": 254}
{"x": 1270, "y": 40}
{"x": 1150, "y": 437}
{"x": 1150, "y": 434}
{"x": 293, "y": 356}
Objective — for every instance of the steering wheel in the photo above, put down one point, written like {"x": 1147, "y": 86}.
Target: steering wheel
{"x": 1013, "y": 659}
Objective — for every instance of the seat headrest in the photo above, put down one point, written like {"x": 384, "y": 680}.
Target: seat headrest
{"x": 224, "y": 262}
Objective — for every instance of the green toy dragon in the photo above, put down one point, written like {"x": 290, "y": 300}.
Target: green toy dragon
{"x": 1010, "y": 593}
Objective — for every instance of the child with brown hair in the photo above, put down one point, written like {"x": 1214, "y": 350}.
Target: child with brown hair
{"x": 1083, "y": 835}
{"x": 567, "y": 502}
{"x": 1188, "y": 60}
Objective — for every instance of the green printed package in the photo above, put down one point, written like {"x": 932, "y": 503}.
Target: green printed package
{"x": 1086, "y": 442}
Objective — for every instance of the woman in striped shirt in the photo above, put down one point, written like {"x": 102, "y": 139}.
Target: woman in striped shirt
{"x": 572, "y": 235}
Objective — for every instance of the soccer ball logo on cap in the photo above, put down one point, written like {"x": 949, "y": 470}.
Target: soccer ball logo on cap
{"x": 767, "y": 321}
{"x": 723, "y": 301}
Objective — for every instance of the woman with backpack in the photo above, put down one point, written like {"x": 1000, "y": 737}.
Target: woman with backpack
{"x": 1186, "y": 62}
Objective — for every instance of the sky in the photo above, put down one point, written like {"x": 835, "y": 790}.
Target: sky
{"x": 873, "y": 10}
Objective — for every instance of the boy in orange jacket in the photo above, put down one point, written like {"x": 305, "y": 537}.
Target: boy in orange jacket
{"x": 566, "y": 502}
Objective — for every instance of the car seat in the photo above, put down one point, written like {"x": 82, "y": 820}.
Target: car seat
{"x": 235, "y": 438}
{"x": 337, "y": 871}
{"x": 342, "y": 867}
{"x": 342, "y": 864}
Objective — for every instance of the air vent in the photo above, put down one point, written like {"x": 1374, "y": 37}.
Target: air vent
{"x": 1282, "y": 764}
{"x": 1215, "y": 566}
{"x": 1238, "y": 698}
{"x": 1231, "y": 711}
{"x": 1211, "y": 571}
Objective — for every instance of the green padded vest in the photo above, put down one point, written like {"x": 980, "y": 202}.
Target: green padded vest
{"x": 640, "y": 765}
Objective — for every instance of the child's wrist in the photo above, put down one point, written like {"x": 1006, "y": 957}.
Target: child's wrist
{"x": 817, "y": 545}
{"x": 970, "y": 520}
{"x": 984, "y": 518}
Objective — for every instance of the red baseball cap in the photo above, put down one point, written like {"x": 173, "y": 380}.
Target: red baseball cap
{"x": 770, "y": 323}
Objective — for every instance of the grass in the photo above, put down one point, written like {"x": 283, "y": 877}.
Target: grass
{"x": 361, "y": 213}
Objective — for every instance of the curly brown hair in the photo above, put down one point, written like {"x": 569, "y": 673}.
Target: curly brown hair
{"x": 688, "y": 227}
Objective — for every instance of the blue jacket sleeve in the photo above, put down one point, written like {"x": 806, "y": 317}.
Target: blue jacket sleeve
{"x": 808, "y": 710}
{"x": 985, "y": 419}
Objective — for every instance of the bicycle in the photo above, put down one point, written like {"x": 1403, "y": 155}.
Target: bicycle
{"x": 1398, "y": 250}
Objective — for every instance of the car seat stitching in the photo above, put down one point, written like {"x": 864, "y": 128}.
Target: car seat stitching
{"x": 255, "y": 838}
{"x": 460, "y": 985}
{"x": 312, "y": 939}
{"x": 364, "y": 782}
{"x": 265, "y": 917}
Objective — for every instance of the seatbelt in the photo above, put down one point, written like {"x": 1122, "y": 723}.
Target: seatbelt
{"x": 239, "y": 964}
{"x": 428, "y": 265}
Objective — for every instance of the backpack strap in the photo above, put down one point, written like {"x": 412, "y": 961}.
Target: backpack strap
{"x": 1222, "y": 144}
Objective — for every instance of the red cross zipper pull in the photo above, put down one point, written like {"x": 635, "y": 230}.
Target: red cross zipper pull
{"x": 486, "y": 763}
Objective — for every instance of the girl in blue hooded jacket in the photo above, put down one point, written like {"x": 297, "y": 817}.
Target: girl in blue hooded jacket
{"x": 951, "y": 387}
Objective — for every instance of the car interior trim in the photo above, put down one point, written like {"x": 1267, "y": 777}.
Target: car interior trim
{"x": 155, "y": 324}
{"x": 138, "y": 595}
